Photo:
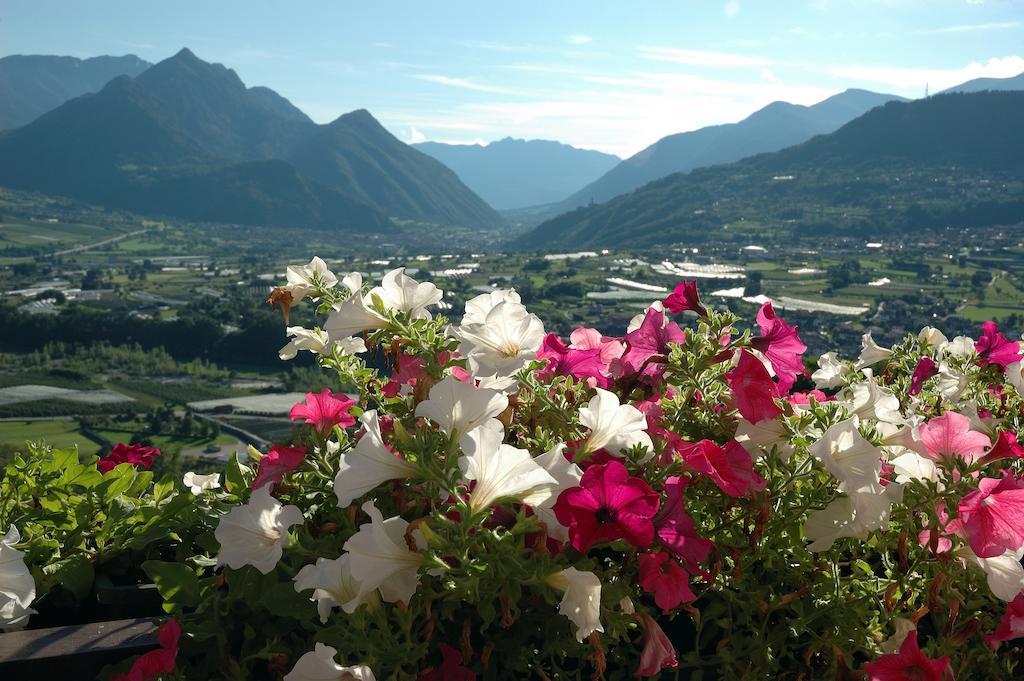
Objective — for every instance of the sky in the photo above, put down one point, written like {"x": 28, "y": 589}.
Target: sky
{"x": 611, "y": 76}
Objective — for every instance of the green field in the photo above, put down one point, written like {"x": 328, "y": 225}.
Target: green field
{"x": 46, "y": 234}
{"x": 58, "y": 433}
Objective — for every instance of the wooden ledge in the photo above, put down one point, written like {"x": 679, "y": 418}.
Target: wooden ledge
{"x": 121, "y": 637}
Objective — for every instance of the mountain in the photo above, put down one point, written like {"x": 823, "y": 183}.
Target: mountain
{"x": 115, "y": 148}
{"x": 515, "y": 173}
{"x": 981, "y": 84}
{"x": 774, "y": 127}
{"x": 191, "y": 129}
{"x": 954, "y": 159}
{"x": 355, "y": 154}
{"x": 31, "y": 85}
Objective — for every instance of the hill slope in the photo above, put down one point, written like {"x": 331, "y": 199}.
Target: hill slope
{"x": 31, "y": 85}
{"x": 901, "y": 166}
{"x": 516, "y": 173}
{"x": 774, "y": 127}
{"x": 355, "y": 154}
{"x": 981, "y": 84}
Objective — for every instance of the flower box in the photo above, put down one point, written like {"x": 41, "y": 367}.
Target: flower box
{"x": 73, "y": 652}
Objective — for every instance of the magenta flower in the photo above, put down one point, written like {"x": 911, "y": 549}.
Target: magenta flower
{"x": 1006, "y": 447}
{"x": 730, "y": 467}
{"x": 324, "y": 410}
{"x": 565, "y": 361}
{"x": 925, "y": 369}
{"x": 950, "y": 435}
{"x": 685, "y": 297}
{"x": 608, "y": 505}
{"x": 908, "y": 664}
{"x": 451, "y": 668}
{"x": 658, "y": 652}
{"x": 408, "y": 370}
{"x": 753, "y": 389}
{"x": 780, "y": 343}
{"x": 662, "y": 576}
{"x": 277, "y": 463}
{"x": 992, "y": 516}
{"x": 155, "y": 663}
{"x": 995, "y": 348}
{"x": 583, "y": 338}
{"x": 674, "y": 527}
{"x": 136, "y": 454}
{"x": 650, "y": 339}
{"x": 1011, "y": 626}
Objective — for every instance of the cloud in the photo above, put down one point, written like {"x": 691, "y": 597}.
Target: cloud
{"x": 732, "y": 8}
{"x": 578, "y": 39}
{"x": 701, "y": 57}
{"x": 415, "y": 136}
{"x": 463, "y": 83}
{"x": 912, "y": 79}
{"x": 970, "y": 28}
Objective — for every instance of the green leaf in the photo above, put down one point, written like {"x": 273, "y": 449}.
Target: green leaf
{"x": 163, "y": 488}
{"x": 284, "y": 601}
{"x": 177, "y": 583}
{"x": 75, "y": 573}
{"x": 238, "y": 476}
{"x": 116, "y": 482}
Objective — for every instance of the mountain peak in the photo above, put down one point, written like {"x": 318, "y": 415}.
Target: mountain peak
{"x": 186, "y": 54}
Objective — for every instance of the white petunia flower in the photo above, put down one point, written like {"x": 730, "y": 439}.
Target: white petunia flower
{"x": 353, "y": 281}
{"x": 912, "y": 466}
{"x": 566, "y": 475}
{"x": 1005, "y": 573}
{"x": 854, "y": 515}
{"x": 932, "y": 336}
{"x": 380, "y": 558}
{"x": 319, "y": 665}
{"x": 17, "y": 587}
{"x": 637, "y": 320}
{"x": 333, "y": 586}
{"x": 401, "y": 293}
{"x": 831, "y": 372}
{"x": 1015, "y": 376}
{"x": 961, "y": 346}
{"x": 307, "y": 279}
{"x": 504, "y": 342}
{"x": 368, "y": 464}
{"x": 759, "y": 438}
{"x": 318, "y": 341}
{"x": 903, "y": 627}
{"x": 459, "y": 407}
{"x": 255, "y": 533}
{"x": 199, "y": 483}
{"x": 851, "y": 459}
{"x": 872, "y": 402}
{"x": 582, "y": 600}
{"x": 351, "y": 316}
{"x": 871, "y": 352}
{"x": 477, "y": 308}
{"x": 501, "y": 471}
{"x": 950, "y": 382}
{"x": 613, "y": 426}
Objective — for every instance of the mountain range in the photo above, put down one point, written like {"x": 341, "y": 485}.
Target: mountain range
{"x": 31, "y": 85}
{"x": 776, "y": 126}
{"x": 187, "y": 138}
{"x": 955, "y": 159}
{"x": 515, "y": 173}
{"x": 981, "y": 84}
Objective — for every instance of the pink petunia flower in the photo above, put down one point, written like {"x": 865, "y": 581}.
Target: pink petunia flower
{"x": 925, "y": 369}
{"x": 153, "y": 664}
{"x": 685, "y": 297}
{"x": 949, "y": 436}
{"x": 909, "y": 664}
{"x": 1006, "y": 447}
{"x": 451, "y": 668}
{"x": 658, "y": 652}
{"x": 992, "y": 516}
{"x": 1011, "y": 625}
{"x": 780, "y": 343}
{"x": 662, "y": 576}
{"x": 324, "y": 410}
{"x": 608, "y": 505}
{"x": 583, "y": 338}
{"x": 730, "y": 467}
{"x": 753, "y": 389}
{"x": 277, "y": 463}
{"x": 650, "y": 339}
{"x": 675, "y": 530}
{"x": 137, "y": 455}
{"x": 565, "y": 361}
{"x": 408, "y": 371}
{"x": 996, "y": 349}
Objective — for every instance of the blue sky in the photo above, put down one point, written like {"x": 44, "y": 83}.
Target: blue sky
{"x": 601, "y": 75}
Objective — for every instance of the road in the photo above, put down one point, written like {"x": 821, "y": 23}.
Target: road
{"x": 87, "y": 247}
